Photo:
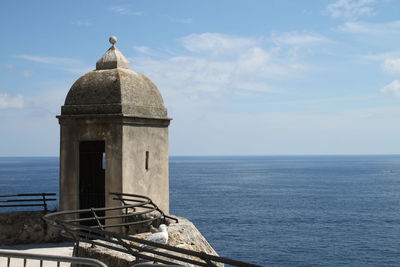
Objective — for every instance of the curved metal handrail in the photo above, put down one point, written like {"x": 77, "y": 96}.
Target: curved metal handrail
{"x": 126, "y": 198}
{"x": 142, "y": 211}
{"x": 141, "y": 249}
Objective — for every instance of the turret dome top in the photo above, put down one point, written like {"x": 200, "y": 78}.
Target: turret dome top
{"x": 113, "y": 88}
{"x": 113, "y": 58}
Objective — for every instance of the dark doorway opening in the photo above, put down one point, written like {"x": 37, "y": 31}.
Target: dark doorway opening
{"x": 91, "y": 178}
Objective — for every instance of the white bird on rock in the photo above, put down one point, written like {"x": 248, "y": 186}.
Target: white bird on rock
{"x": 159, "y": 237}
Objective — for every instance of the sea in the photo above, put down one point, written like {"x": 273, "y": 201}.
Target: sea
{"x": 272, "y": 210}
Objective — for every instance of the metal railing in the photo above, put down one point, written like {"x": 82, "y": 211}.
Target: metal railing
{"x": 97, "y": 234}
{"x": 27, "y": 200}
{"x": 29, "y": 257}
{"x": 141, "y": 202}
{"x": 143, "y": 211}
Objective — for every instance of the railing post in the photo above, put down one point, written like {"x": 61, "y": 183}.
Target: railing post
{"x": 97, "y": 219}
{"x": 44, "y": 201}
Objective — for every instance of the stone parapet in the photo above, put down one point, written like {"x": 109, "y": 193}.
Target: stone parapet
{"x": 25, "y": 228}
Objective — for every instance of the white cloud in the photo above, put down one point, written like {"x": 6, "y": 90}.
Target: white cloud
{"x": 253, "y": 59}
{"x": 298, "y": 39}
{"x": 143, "y": 49}
{"x": 216, "y": 66}
{"x": 68, "y": 64}
{"x": 125, "y": 11}
{"x": 216, "y": 43}
{"x": 389, "y": 61}
{"x": 11, "y": 101}
{"x": 351, "y": 9}
{"x": 376, "y": 29}
{"x": 50, "y": 60}
{"x": 391, "y": 65}
{"x": 392, "y": 88}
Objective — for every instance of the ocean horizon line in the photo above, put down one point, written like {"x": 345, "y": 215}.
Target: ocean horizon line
{"x": 244, "y": 155}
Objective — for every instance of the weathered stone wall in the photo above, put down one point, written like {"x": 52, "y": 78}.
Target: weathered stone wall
{"x": 26, "y": 227}
{"x": 74, "y": 130}
{"x": 182, "y": 235}
{"x": 152, "y": 182}
{"x": 126, "y": 140}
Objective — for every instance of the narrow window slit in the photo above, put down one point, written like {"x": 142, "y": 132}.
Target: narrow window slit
{"x": 146, "y": 166}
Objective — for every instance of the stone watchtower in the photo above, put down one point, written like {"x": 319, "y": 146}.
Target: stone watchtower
{"x": 114, "y": 137}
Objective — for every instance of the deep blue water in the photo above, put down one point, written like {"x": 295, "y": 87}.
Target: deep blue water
{"x": 272, "y": 210}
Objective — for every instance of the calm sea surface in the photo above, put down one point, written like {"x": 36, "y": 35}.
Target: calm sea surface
{"x": 272, "y": 210}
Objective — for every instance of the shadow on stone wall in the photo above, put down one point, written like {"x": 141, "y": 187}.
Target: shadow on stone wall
{"x": 26, "y": 227}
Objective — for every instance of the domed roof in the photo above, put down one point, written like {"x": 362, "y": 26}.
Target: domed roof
{"x": 112, "y": 88}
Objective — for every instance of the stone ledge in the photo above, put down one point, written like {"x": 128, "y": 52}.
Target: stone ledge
{"x": 26, "y": 227}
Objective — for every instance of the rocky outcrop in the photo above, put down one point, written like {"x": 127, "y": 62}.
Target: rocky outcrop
{"x": 182, "y": 235}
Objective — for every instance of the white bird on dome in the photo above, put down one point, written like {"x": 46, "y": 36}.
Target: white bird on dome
{"x": 159, "y": 237}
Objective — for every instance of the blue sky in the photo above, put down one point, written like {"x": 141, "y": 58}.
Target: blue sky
{"x": 238, "y": 77}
